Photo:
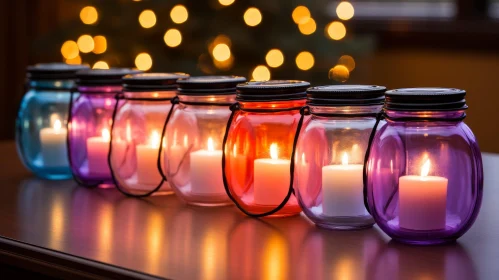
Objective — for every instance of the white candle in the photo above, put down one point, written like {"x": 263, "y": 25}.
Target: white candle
{"x": 342, "y": 189}
{"x": 97, "y": 151}
{"x": 54, "y": 152}
{"x": 147, "y": 161}
{"x": 422, "y": 201}
{"x": 271, "y": 178}
{"x": 206, "y": 171}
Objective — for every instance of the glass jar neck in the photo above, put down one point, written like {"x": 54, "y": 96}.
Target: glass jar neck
{"x": 150, "y": 94}
{"x": 207, "y": 99}
{"x": 437, "y": 115}
{"x": 345, "y": 110}
{"x": 100, "y": 89}
{"x": 273, "y": 104}
{"x": 51, "y": 84}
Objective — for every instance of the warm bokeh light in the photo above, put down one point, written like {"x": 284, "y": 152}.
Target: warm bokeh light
{"x": 252, "y": 16}
{"x": 143, "y": 61}
{"x": 100, "y": 44}
{"x": 100, "y": 65}
{"x": 179, "y": 14}
{"x": 307, "y": 27}
{"x": 261, "y": 73}
{"x": 226, "y": 2}
{"x": 89, "y": 15}
{"x": 274, "y": 58}
{"x": 345, "y": 10}
{"x": 76, "y": 60}
{"x": 305, "y": 61}
{"x": 69, "y": 49}
{"x": 336, "y": 30}
{"x": 221, "y": 52}
{"x": 224, "y": 65}
{"x": 147, "y": 19}
{"x": 300, "y": 14}
{"x": 339, "y": 73}
{"x": 172, "y": 38}
{"x": 347, "y": 61}
{"x": 85, "y": 43}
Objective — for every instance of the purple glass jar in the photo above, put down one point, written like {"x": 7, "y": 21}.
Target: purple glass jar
{"x": 89, "y": 124}
{"x": 424, "y": 172}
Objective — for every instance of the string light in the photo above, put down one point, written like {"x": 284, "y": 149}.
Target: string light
{"x": 100, "y": 44}
{"x": 225, "y": 2}
{"x": 147, "y": 19}
{"x": 252, "y": 16}
{"x": 339, "y": 73}
{"x": 345, "y": 10}
{"x": 347, "y": 61}
{"x": 143, "y": 61}
{"x": 305, "y": 61}
{"x": 69, "y": 49}
{"x": 336, "y": 30}
{"x": 221, "y": 52}
{"x": 85, "y": 43}
{"x": 89, "y": 15}
{"x": 76, "y": 60}
{"x": 274, "y": 58}
{"x": 172, "y": 38}
{"x": 261, "y": 73}
{"x": 300, "y": 14}
{"x": 100, "y": 65}
{"x": 179, "y": 14}
{"x": 308, "y": 27}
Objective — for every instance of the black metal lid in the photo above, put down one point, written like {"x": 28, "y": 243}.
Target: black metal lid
{"x": 273, "y": 90}
{"x": 425, "y": 99}
{"x": 346, "y": 95}
{"x": 53, "y": 71}
{"x": 152, "y": 81}
{"x": 103, "y": 77}
{"x": 209, "y": 85}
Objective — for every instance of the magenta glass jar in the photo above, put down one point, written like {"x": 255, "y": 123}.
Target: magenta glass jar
{"x": 89, "y": 124}
{"x": 424, "y": 172}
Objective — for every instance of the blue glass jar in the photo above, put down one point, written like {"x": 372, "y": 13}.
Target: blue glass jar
{"x": 42, "y": 119}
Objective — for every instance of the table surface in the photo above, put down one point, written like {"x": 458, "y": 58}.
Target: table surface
{"x": 163, "y": 237}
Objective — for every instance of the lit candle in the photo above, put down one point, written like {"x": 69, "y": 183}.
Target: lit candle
{"x": 422, "y": 200}
{"x": 271, "y": 178}
{"x": 53, "y": 145}
{"x": 206, "y": 171}
{"x": 342, "y": 189}
{"x": 97, "y": 151}
{"x": 147, "y": 159}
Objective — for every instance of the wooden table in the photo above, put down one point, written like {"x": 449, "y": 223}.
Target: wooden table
{"x": 58, "y": 228}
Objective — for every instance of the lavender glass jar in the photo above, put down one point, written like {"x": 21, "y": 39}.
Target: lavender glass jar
{"x": 424, "y": 172}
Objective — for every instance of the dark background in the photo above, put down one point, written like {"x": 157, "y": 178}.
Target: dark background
{"x": 393, "y": 43}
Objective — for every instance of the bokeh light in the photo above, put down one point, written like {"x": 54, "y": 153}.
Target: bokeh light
{"x": 224, "y": 65}
{"x": 261, "y": 73}
{"x": 147, "y": 19}
{"x": 252, "y": 16}
{"x": 179, "y": 14}
{"x": 172, "y": 38}
{"x": 69, "y": 49}
{"x": 339, "y": 73}
{"x": 100, "y": 65}
{"x": 345, "y": 10}
{"x": 76, "y": 60}
{"x": 347, "y": 61}
{"x": 308, "y": 27}
{"x": 305, "y": 61}
{"x": 226, "y": 2}
{"x": 143, "y": 61}
{"x": 336, "y": 30}
{"x": 85, "y": 43}
{"x": 300, "y": 14}
{"x": 89, "y": 15}
{"x": 100, "y": 44}
{"x": 274, "y": 58}
{"x": 221, "y": 52}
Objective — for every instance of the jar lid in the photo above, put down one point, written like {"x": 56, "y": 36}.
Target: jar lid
{"x": 425, "y": 99}
{"x": 273, "y": 90}
{"x": 346, "y": 95}
{"x": 103, "y": 77}
{"x": 53, "y": 71}
{"x": 209, "y": 85}
{"x": 152, "y": 81}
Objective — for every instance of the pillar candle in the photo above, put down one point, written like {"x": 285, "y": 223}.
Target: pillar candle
{"x": 206, "y": 171}
{"x": 147, "y": 161}
{"x": 271, "y": 178}
{"x": 54, "y": 152}
{"x": 97, "y": 152}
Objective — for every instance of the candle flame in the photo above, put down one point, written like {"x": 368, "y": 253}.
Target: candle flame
{"x": 57, "y": 125}
{"x": 344, "y": 159}
{"x": 185, "y": 140}
{"x": 425, "y": 169}
{"x": 303, "y": 158}
{"x": 154, "y": 140}
{"x": 106, "y": 135}
{"x": 274, "y": 151}
{"x": 234, "y": 150}
{"x": 211, "y": 148}
{"x": 128, "y": 132}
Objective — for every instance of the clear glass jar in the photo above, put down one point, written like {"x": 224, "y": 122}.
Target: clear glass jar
{"x": 425, "y": 175}
{"x": 42, "y": 119}
{"x": 259, "y": 147}
{"x": 90, "y": 123}
{"x": 329, "y": 158}
{"x": 194, "y": 138}
{"x": 136, "y": 133}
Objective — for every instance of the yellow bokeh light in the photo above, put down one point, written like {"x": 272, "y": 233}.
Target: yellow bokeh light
{"x": 336, "y": 30}
{"x": 76, "y": 60}
{"x": 224, "y": 65}
{"x": 274, "y": 58}
{"x": 221, "y": 52}
{"x": 179, "y": 14}
{"x": 345, "y": 10}
{"x": 261, "y": 73}
{"x": 347, "y": 61}
{"x": 69, "y": 50}
{"x": 143, "y": 61}
{"x": 339, "y": 73}
{"x": 147, "y": 19}
{"x": 172, "y": 38}
{"x": 300, "y": 14}
{"x": 85, "y": 43}
{"x": 100, "y": 44}
{"x": 226, "y": 2}
{"x": 89, "y": 15}
{"x": 100, "y": 65}
{"x": 252, "y": 16}
{"x": 305, "y": 61}
{"x": 308, "y": 27}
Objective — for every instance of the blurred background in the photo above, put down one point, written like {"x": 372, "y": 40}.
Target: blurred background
{"x": 395, "y": 43}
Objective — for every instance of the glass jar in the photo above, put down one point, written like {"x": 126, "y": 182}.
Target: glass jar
{"x": 42, "y": 119}
{"x": 90, "y": 122}
{"x": 425, "y": 175}
{"x": 136, "y": 132}
{"x": 259, "y": 145}
{"x": 194, "y": 137}
{"x": 329, "y": 155}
